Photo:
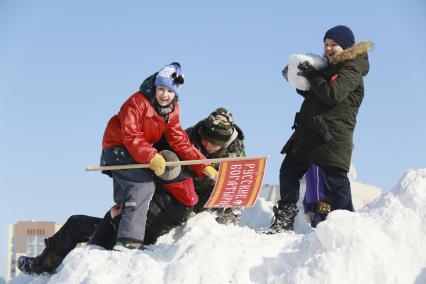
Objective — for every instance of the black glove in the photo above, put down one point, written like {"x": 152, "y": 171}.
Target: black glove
{"x": 285, "y": 72}
{"x": 307, "y": 70}
{"x": 302, "y": 93}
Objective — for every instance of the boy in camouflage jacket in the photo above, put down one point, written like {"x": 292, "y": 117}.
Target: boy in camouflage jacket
{"x": 216, "y": 136}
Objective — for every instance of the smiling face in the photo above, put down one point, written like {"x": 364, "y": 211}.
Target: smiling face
{"x": 163, "y": 95}
{"x": 331, "y": 48}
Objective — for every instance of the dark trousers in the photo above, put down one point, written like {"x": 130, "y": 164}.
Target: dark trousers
{"x": 338, "y": 188}
{"x": 165, "y": 213}
{"x": 77, "y": 229}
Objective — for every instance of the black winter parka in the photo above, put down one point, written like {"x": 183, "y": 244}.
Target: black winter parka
{"x": 325, "y": 124}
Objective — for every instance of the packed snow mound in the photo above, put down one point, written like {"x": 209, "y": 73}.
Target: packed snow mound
{"x": 297, "y": 81}
{"x": 382, "y": 243}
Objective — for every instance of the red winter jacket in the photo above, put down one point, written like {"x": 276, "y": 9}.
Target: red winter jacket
{"x": 137, "y": 126}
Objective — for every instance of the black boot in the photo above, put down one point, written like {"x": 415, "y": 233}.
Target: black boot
{"x": 47, "y": 262}
{"x": 283, "y": 219}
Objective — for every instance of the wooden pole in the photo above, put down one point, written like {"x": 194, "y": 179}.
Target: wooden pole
{"x": 170, "y": 164}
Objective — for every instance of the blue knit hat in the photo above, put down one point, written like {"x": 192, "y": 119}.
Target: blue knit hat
{"x": 342, "y": 35}
{"x": 170, "y": 76}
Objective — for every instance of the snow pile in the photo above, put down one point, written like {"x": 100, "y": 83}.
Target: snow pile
{"x": 300, "y": 82}
{"x": 383, "y": 243}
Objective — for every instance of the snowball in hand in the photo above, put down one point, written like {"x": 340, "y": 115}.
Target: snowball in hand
{"x": 300, "y": 82}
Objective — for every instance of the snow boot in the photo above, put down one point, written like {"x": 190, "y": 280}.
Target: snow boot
{"x": 25, "y": 263}
{"x": 229, "y": 216}
{"x": 46, "y": 262}
{"x": 324, "y": 207}
{"x": 124, "y": 246}
{"x": 283, "y": 219}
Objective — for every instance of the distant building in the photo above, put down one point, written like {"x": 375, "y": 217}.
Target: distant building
{"x": 26, "y": 238}
{"x": 270, "y": 192}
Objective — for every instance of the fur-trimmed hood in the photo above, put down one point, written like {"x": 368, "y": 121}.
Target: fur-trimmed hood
{"x": 359, "y": 48}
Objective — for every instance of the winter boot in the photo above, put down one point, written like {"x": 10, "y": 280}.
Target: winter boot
{"x": 283, "y": 219}
{"x": 324, "y": 207}
{"x": 47, "y": 262}
{"x": 124, "y": 246}
{"x": 25, "y": 263}
{"x": 229, "y": 216}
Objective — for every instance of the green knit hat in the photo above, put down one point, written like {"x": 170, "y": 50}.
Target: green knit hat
{"x": 218, "y": 127}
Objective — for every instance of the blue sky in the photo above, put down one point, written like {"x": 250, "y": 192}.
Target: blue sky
{"x": 67, "y": 66}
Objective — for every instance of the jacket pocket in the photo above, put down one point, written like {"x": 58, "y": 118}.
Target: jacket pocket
{"x": 321, "y": 128}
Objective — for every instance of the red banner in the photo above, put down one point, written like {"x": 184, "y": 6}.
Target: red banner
{"x": 238, "y": 184}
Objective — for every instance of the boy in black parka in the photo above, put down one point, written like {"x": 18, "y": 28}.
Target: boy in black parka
{"x": 324, "y": 125}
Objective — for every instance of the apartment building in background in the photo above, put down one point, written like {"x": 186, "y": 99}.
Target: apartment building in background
{"x": 26, "y": 238}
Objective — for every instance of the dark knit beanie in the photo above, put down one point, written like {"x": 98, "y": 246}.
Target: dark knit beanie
{"x": 342, "y": 35}
{"x": 218, "y": 127}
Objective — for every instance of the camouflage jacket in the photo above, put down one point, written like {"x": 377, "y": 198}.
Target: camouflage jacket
{"x": 204, "y": 186}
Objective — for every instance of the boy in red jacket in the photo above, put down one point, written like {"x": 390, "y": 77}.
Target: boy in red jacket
{"x": 129, "y": 137}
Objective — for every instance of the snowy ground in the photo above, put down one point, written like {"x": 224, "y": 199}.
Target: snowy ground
{"x": 383, "y": 243}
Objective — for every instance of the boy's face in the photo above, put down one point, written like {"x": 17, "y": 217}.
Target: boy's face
{"x": 331, "y": 48}
{"x": 209, "y": 146}
{"x": 164, "y": 96}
